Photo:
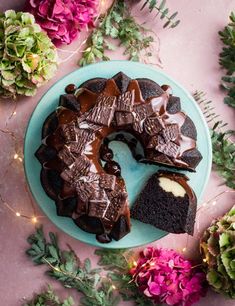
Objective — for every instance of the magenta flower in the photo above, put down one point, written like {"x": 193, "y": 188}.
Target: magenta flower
{"x": 63, "y": 19}
{"x": 167, "y": 277}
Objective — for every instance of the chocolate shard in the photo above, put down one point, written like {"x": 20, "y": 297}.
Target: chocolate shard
{"x": 45, "y": 153}
{"x": 155, "y": 141}
{"x": 84, "y": 124}
{"x": 51, "y": 182}
{"x": 66, "y": 156}
{"x": 122, "y": 81}
{"x": 103, "y": 112}
{"x": 173, "y": 105}
{"x": 84, "y": 190}
{"x": 70, "y": 101}
{"x": 188, "y": 129}
{"x": 149, "y": 88}
{"x": 170, "y": 149}
{"x": 107, "y": 181}
{"x": 117, "y": 199}
{"x": 157, "y": 157}
{"x": 125, "y": 101}
{"x": 84, "y": 137}
{"x": 192, "y": 158}
{"x": 50, "y": 125}
{"x": 89, "y": 224}
{"x": 120, "y": 228}
{"x": 98, "y": 207}
{"x": 170, "y": 132}
{"x": 95, "y": 85}
{"x": 123, "y": 118}
{"x": 79, "y": 168}
{"x": 68, "y": 131}
{"x": 153, "y": 125}
{"x": 66, "y": 207}
{"x": 141, "y": 112}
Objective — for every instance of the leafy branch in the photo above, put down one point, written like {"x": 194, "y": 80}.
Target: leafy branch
{"x": 66, "y": 267}
{"x": 223, "y": 148}
{"x": 120, "y": 262}
{"x": 119, "y": 25}
{"x": 48, "y": 297}
{"x": 227, "y": 60}
{"x": 162, "y": 11}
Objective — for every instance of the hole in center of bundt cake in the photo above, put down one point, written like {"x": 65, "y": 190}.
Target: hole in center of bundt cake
{"x": 120, "y": 154}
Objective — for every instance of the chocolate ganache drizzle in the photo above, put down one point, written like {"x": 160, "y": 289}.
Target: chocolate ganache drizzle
{"x": 83, "y": 121}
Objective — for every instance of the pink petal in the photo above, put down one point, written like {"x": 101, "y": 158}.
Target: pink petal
{"x": 154, "y": 288}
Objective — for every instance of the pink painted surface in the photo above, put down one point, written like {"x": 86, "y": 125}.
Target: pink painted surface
{"x": 189, "y": 54}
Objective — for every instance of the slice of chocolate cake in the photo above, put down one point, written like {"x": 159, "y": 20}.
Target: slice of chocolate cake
{"x": 168, "y": 203}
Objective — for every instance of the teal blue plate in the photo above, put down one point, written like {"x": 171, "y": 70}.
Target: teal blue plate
{"x": 135, "y": 174}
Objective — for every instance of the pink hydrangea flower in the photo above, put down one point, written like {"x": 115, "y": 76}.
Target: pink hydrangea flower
{"x": 167, "y": 277}
{"x": 63, "y": 19}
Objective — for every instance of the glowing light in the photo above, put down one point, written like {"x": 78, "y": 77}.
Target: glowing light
{"x": 184, "y": 249}
{"x": 20, "y": 159}
{"x": 18, "y": 214}
{"x": 114, "y": 287}
{"x": 204, "y": 259}
{"x": 134, "y": 263}
{"x": 16, "y": 156}
{"x": 213, "y": 203}
{"x": 14, "y": 113}
{"x": 34, "y": 220}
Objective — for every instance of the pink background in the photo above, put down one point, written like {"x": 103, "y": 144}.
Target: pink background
{"x": 189, "y": 53}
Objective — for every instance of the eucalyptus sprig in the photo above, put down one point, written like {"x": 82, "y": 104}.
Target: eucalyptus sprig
{"x": 120, "y": 261}
{"x": 223, "y": 148}
{"x": 67, "y": 268}
{"x": 162, "y": 11}
{"x": 117, "y": 24}
{"x": 227, "y": 60}
{"x": 48, "y": 297}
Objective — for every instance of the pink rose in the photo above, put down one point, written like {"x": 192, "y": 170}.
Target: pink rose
{"x": 63, "y": 19}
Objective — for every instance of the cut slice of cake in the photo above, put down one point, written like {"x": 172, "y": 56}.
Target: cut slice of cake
{"x": 168, "y": 203}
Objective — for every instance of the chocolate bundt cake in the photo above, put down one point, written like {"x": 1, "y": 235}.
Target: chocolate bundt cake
{"x": 78, "y": 170}
{"x": 168, "y": 193}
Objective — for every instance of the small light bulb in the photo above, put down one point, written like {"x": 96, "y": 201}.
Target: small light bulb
{"x": 34, "y": 220}
{"x": 204, "y": 259}
{"x": 184, "y": 249}
{"x": 18, "y": 214}
{"x": 16, "y": 156}
{"x": 14, "y": 113}
{"x": 20, "y": 159}
{"x": 114, "y": 287}
{"x": 213, "y": 203}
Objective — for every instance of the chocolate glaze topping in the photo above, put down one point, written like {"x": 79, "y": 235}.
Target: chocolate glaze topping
{"x": 79, "y": 144}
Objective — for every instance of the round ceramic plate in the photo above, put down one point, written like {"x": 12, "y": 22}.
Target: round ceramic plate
{"x": 135, "y": 174}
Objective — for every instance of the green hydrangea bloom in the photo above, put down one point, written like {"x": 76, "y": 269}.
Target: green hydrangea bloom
{"x": 218, "y": 248}
{"x": 28, "y": 58}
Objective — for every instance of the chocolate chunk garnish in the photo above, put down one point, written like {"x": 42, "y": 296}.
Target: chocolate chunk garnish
{"x": 45, "y": 153}
{"x": 91, "y": 225}
{"x": 97, "y": 208}
{"x": 51, "y": 182}
{"x": 50, "y": 125}
{"x": 167, "y": 88}
{"x": 125, "y": 101}
{"x": 96, "y": 85}
{"x": 66, "y": 207}
{"x": 84, "y": 137}
{"x": 188, "y": 129}
{"x": 107, "y": 181}
{"x": 111, "y": 167}
{"x": 123, "y": 118}
{"x": 66, "y": 156}
{"x": 83, "y": 124}
{"x": 155, "y": 141}
{"x": 103, "y": 111}
{"x": 103, "y": 238}
{"x": 120, "y": 228}
{"x": 68, "y": 132}
{"x": 192, "y": 158}
{"x": 149, "y": 88}
{"x": 79, "y": 168}
{"x": 69, "y": 101}
{"x": 157, "y": 157}
{"x": 173, "y": 105}
{"x": 84, "y": 190}
{"x": 141, "y": 112}
{"x": 170, "y": 132}
{"x": 122, "y": 81}
{"x": 153, "y": 125}
{"x": 171, "y": 149}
